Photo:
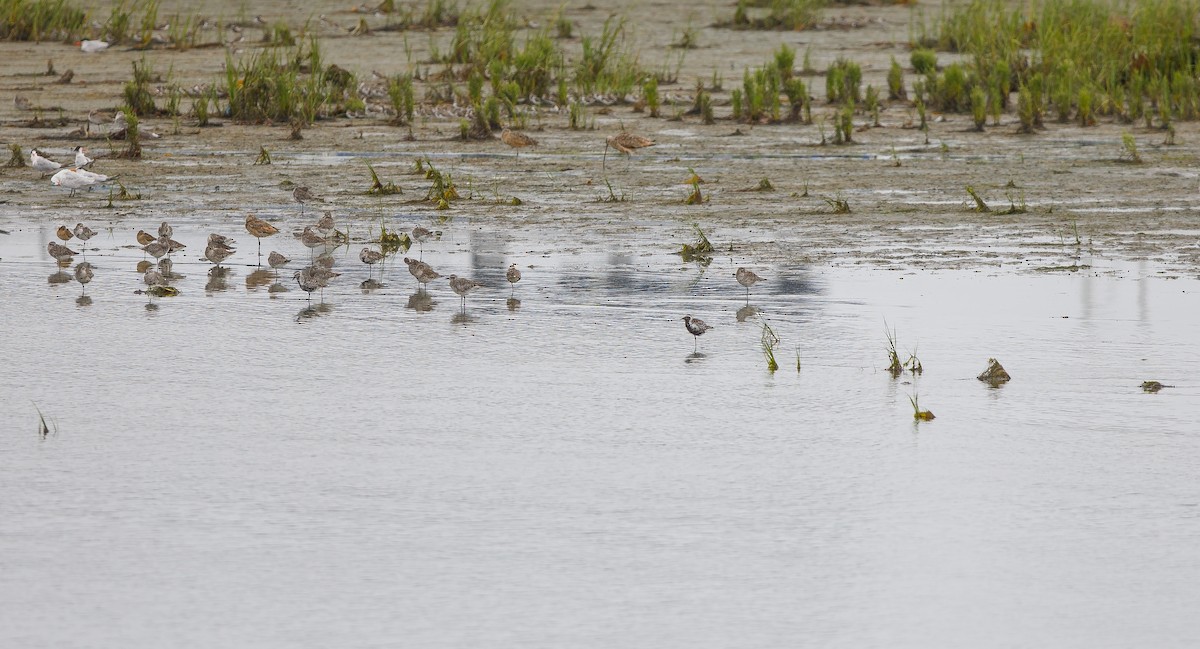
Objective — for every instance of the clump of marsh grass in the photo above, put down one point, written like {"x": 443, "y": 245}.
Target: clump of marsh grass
{"x": 44, "y": 430}
{"x": 442, "y": 189}
{"x": 701, "y": 249}
{"x": 16, "y": 157}
{"x": 896, "y": 367}
{"x": 264, "y": 156}
{"x": 380, "y": 188}
{"x": 768, "y": 341}
{"x": 791, "y": 15}
{"x": 1129, "y": 149}
{"x": 840, "y": 205}
{"x": 918, "y": 413}
{"x": 694, "y": 197}
{"x": 612, "y": 196}
{"x": 136, "y": 91}
{"x": 133, "y": 138}
{"x": 391, "y": 242}
{"x": 995, "y": 374}
{"x": 980, "y": 206}
{"x": 38, "y": 20}
{"x": 400, "y": 94}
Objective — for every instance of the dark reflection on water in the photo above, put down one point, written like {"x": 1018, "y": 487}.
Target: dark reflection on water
{"x": 218, "y": 279}
{"x": 314, "y": 311}
{"x": 421, "y": 302}
{"x": 695, "y": 357}
{"x": 60, "y": 277}
{"x": 463, "y": 318}
{"x": 748, "y": 311}
{"x": 513, "y": 304}
{"x": 369, "y": 286}
{"x": 83, "y": 300}
{"x": 259, "y": 278}
{"x": 277, "y": 288}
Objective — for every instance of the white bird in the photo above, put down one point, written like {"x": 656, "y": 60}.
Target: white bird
{"x": 81, "y": 159}
{"x": 44, "y": 165}
{"x": 74, "y": 179}
{"x": 91, "y": 46}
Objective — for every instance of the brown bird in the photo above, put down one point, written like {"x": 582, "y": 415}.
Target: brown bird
{"x": 516, "y": 140}
{"x": 747, "y": 278}
{"x": 325, "y": 223}
{"x": 696, "y": 327}
{"x": 303, "y": 195}
{"x": 144, "y": 237}
{"x": 83, "y": 232}
{"x": 64, "y": 233}
{"x": 217, "y": 254}
{"x": 370, "y": 258}
{"x": 625, "y": 142}
{"x": 513, "y": 276}
{"x": 311, "y": 239}
{"x": 258, "y": 229}
{"x": 275, "y": 260}
{"x": 462, "y": 286}
{"x": 59, "y": 251}
{"x": 158, "y": 247}
{"x": 420, "y": 234}
{"x": 421, "y": 270}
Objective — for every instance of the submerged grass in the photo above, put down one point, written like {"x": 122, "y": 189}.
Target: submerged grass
{"x": 768, "y": 341}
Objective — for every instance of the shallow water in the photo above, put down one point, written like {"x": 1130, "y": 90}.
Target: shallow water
{"x": 237, "y": 467}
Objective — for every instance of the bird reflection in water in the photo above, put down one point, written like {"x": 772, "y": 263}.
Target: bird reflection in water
{"x": 276, "y": 289}
{"x": 748, "y": 311}
{"x": 217, "y": 279}
{"x": 695, "y": 357}
{"x": 83, "y": 300}
{"x": 259, "y": 278}
{"x": 421, "y": 301}
{"x": 463, "y": 318}
{"x": 370, "y": 285}
{"x": 60, "y": 277}
{"x": 313, "y": 311}
{"x": 513, "y": 304}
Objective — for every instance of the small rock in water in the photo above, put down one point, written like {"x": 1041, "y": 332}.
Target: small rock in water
{"x": 995, "y": 373}
{"x": 1153, "y": 386}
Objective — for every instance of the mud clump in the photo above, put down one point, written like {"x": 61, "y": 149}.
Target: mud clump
{"x": 995, "y": 375}
{"x": 1153, "y": 386}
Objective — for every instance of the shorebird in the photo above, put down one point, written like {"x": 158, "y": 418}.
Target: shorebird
{"x": 696, "y": 327}
{"x": 325, "y": 223}
{"x": 64, "y": 233}
{"x": 307, "y": 282}
{"x": 513, "y": 276}
{"x": 158, "y": 247}
{"x": 59, "y": 251}
{"x": 463, "y": 286}
{"x": 275, "y": 260}
{"x": 40, "y": 164}
{"x": 311, "y": 239}
{"x": 83, "y": 232}
{"x": 81, "y": 159}
{"x": 747, "y": 278}
{"x": 302, "y": 195}
{"x": 625, "y": 142}
{"x": 516, "y": 140}
{"x": 421, "y": 270}
{"x": 259, "y": 228}
{"x": 83, "y": 274}
{"x": 144, "y": 237}
{"x": 165, "y": 230}
{"x": 420, "y": 234}
{"x": 92, "y": 46}
{"x": 154, "y": 278}
{"x": 217, "y": 253}
{"x": 370, "y": 258}
{"x": 221, "y": 241}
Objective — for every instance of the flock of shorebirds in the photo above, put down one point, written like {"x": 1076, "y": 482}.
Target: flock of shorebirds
{"x": 322, "y": 234}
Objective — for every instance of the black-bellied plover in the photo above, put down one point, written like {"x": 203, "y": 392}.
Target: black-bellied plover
{"x": 421, "y": 270}
{"x": 275, "y": 260}
{"x": 696, "y": 327}
{"x": 513, "y": 276}
{"x": 370, "y": 258}
{"x": 83, "y": 232}
{"x": 59, "y": 251}
{"x": 462, "y": 286}
{"x": 420, "y": 234}
{"x": 303, "y": 195}
{"x": 83, "y": 274}
{"x": 747, "y": 278}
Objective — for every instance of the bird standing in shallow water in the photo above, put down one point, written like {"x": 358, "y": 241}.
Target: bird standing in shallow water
{"x": 83, "y": 274}
{"x": 513, "y": 276}
{"x": 302, "y": 196}
{"x": 696, "y": 327}
{"x": 463, "y": 286}
{"x": 421, "y": 270}
{"x": 747, "y": 278}
{"x": 370, "y": 258}
{"x": 59, "y": 251}
{"x": 275, "y": 260}
{"x": 259, "y": 229}
{"x": 420, "y": 234}
{"x": 64, "y": 233}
